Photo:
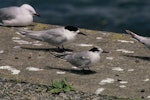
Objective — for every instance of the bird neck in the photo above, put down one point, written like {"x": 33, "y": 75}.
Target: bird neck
{"x": 70, "y": 36}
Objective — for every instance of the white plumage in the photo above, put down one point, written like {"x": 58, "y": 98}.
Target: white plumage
{"x": 144, "y": 40}
{"x": 17, "y": 16}
{"x": 84, "y": 59}
{"x": 56, "y": 36}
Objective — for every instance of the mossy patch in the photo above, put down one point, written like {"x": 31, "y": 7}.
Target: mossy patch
{"x": 39, "y": 26}
{"x": 118, "y": 37}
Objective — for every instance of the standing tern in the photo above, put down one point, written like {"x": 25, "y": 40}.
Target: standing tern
{"x": 55, "y": 37}
{"x": 84, "y": 59}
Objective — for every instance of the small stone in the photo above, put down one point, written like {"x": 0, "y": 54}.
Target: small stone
{"x": 143, "y": 90}
{"x": 116, "y": 75}
{"x": 122, "y": 86}
{"x": 16, "y": 58}
{"x": 1, "y": 51}
{"x": 123, "y": 82}
{"x": 137, "y": 61}
{"x": 142, "y": 97}
{"x": 64, "y": 96}
{"x": 29, "y": 57}
{"x": 119, "y": 80}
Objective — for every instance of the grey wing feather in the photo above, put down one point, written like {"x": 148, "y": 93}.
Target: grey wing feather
{"x": 57, "y": 32}
{"x": 86, "y": 60}
{"x": 51, "y": 36}
{"x": 31, "y": 34}
{"x": 7, "y": 13}
{"x": 51, "y": 33}
{"x": 79, "y": 59}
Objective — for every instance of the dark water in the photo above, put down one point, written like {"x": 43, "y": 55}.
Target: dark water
{"x": 104, "y": 15}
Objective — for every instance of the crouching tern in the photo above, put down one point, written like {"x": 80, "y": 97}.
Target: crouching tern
{"x": 17, "y": 16}
{"x": 84, "y": 59}
{"x": 144, "y": 40}
{"x": 55, "y": 37}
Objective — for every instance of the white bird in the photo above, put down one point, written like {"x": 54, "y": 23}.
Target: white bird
{"x": 55, "y": 37}
{"x": 17, "y": 16}
{"x": 144, "y": 40}
{"x": 84, "y": 59}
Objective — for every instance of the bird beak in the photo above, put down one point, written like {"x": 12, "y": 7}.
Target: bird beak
{"x": 36, "y": 14}
{"x": 82, "y": 33}
{"x": 105, "y": 51}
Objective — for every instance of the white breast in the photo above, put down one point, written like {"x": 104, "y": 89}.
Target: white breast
{"x": 70, "y": 36}
{"x": 94, "y": 56}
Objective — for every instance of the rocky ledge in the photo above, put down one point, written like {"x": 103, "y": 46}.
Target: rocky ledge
{"x": 124, "y": 72}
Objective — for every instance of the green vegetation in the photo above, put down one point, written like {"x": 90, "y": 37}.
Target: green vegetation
{"x": 60, "y": 86}
{"x": 117, "y": 36}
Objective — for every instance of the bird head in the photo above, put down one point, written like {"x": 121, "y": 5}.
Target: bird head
{"x": 96, "y": 49}
{"x": 74, "y": 30}
{"x": 30, "y": 9}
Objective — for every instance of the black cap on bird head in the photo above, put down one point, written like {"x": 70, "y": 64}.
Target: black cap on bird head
{"x": 75, "y": 29}
{"x": 94, "y": 49}
{"x": 71, "y": 28}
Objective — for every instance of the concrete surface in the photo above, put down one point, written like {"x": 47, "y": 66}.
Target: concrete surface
{"x": 123, "y": 72}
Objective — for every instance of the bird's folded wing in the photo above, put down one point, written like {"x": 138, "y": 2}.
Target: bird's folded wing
{"x": 7, "y": 13}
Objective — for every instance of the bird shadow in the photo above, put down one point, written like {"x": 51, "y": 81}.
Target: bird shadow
{"x": 139, "y": 57}
{"x": 48, "y": 49}
{"x": 74, "y": 71}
